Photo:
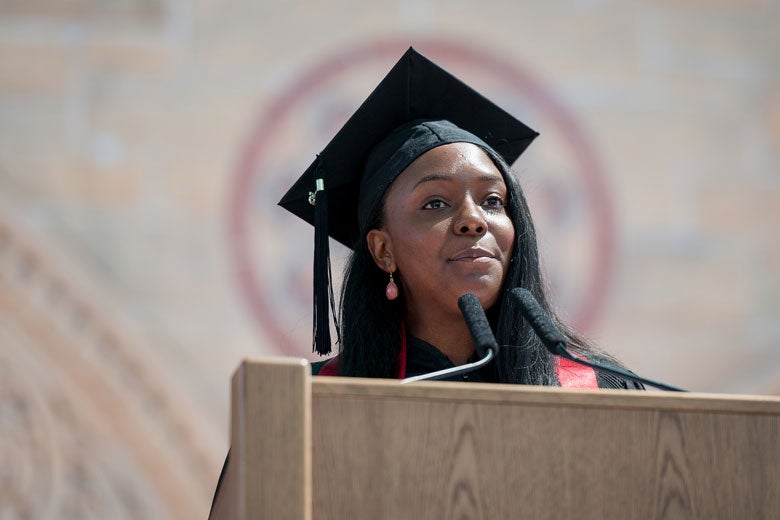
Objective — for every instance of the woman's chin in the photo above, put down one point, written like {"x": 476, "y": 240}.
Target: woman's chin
{"x": 487, "y": 294}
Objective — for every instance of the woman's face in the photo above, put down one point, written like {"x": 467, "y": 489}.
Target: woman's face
{"x": 446, "y": 229}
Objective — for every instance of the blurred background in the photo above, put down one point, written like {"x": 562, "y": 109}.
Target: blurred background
{"x": 144, "y": 145}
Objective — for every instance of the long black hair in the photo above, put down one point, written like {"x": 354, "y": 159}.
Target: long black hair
{"x": 371, "y": 325}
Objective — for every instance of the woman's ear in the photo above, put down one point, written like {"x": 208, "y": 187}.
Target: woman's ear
{"x": 381, "y": 247}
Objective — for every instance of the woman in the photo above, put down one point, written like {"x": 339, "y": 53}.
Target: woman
{"x": 425, "y": 198}
{"x": 418, "y": 185}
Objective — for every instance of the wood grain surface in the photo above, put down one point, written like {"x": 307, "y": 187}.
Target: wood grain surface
{"x": 271, "y": 440}
{"x": 448, "y": 450}
{"x": 333, "y": 448}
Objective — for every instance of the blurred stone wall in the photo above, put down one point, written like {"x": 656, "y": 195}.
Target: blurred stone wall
{"x": 144, "y": 144}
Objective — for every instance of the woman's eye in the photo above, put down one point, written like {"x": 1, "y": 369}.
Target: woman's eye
{"x": 434, "y": 204}
{"x": 494, "y": 202}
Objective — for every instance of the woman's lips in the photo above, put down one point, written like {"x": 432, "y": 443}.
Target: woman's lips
{"x": 472, "y": 255}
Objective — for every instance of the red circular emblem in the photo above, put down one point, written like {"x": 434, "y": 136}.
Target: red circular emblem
{"x": 560, "y": 173}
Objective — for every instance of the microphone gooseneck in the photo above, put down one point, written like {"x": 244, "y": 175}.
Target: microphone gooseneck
{"x": 484, "y": 342}
{"x": 556, "y": 342}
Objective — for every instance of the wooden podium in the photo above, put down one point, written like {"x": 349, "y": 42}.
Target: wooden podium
{"x": 308, "y": 447}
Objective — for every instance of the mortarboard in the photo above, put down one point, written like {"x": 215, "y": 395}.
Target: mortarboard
{"x": 416, "y": 107}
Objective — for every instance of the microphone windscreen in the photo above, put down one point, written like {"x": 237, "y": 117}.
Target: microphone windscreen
{"x": 538, "y": 319}
{"x": 478, "y": 324}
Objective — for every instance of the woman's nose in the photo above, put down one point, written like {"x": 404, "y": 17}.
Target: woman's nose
{"x": 470, "y": 220}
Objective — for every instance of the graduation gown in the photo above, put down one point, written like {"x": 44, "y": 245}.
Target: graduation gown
{"x": 419, "y": 357}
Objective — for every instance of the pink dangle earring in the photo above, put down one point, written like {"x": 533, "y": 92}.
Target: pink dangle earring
{"x": 391, "y": 291}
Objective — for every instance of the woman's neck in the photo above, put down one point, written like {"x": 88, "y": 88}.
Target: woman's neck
{"x": 449, "y": 334}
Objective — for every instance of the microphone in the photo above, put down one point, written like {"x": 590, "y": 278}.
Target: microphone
{"x": 484, "y": 342}
{"x": 556, "y": 342}
{"x": 478, "y": 324}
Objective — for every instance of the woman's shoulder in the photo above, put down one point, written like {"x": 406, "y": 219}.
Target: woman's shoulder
{"x": 607, "y": 380}
{"x": 611, "y": 381}
{"x": 326, "y": 367}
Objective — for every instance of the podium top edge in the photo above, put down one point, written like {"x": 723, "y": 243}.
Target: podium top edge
{"x": 363, "y": 388}
{"x": 274, "y": 360}
{"x": 544, "y": 396}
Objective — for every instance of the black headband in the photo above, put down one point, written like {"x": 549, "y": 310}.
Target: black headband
{"x": 397, "y": 151}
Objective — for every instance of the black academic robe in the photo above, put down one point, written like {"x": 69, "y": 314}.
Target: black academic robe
{"x": 423, "y": 358}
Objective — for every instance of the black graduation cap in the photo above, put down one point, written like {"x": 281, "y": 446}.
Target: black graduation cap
{"x": 415, "y": 91}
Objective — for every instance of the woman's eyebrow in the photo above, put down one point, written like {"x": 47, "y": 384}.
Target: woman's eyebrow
{"x": 491, "y": 177}
{"x": 487, "y": 177}
{"x": 433, "y": 177}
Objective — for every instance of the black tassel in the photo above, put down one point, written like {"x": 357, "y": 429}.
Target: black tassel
{"x": 323, "y": 277}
